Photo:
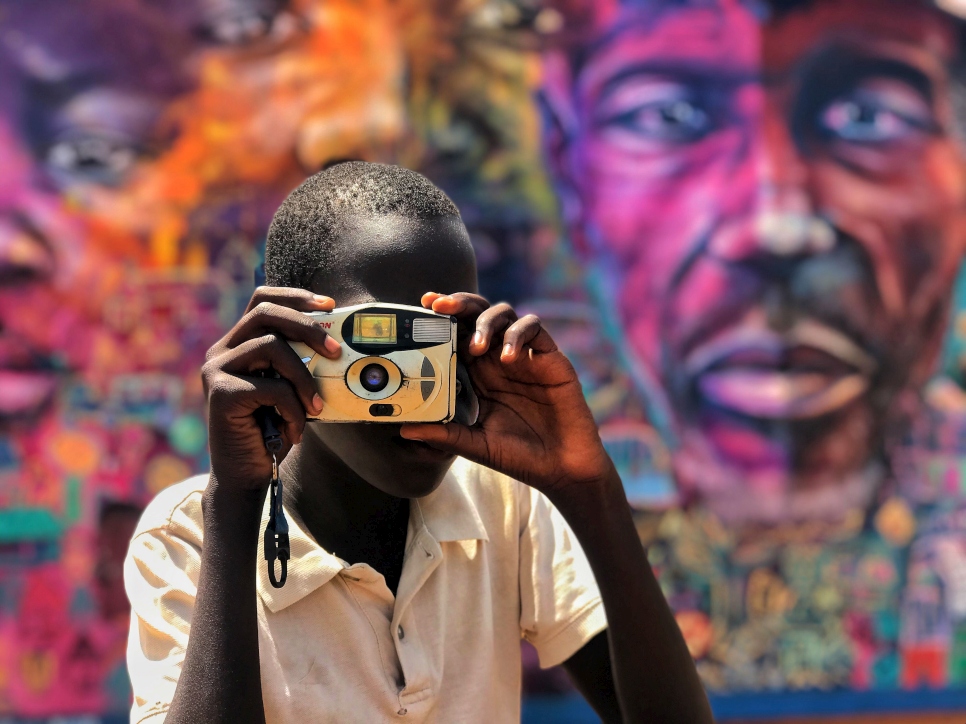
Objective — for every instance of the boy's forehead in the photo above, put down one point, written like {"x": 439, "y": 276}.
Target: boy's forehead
{"x": 393, "y": 258}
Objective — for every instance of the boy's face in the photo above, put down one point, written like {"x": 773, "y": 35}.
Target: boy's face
{"x": 397, "y": 260}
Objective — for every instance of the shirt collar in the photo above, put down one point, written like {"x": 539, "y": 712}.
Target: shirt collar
{"x": 448, "y": 514}
{"x": 309, "y": 567}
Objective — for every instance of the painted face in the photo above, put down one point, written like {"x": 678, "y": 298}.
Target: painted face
{"x": 776, "y": 204}
{"x": 79, "y": 111}
{"x": 285, "y": 87}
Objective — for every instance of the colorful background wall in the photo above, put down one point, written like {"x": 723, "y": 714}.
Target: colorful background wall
{"x": 744, "y": 221}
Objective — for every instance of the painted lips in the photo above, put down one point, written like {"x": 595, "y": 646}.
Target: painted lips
{"x": 807, "y": 371}
{"x": 27, "y": 380}
{"x": 23, "y": 392}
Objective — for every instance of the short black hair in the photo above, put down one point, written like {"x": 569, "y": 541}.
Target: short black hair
{"x": 300, "y": 238}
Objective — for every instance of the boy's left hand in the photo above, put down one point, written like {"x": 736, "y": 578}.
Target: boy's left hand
{"x": 534, "y": 424}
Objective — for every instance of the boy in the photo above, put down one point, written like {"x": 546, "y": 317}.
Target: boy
{"x": 413, "y": 572}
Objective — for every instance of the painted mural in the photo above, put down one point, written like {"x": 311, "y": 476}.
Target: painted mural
{"x": 743, "y": 220}
{"x": 769, "y": 202}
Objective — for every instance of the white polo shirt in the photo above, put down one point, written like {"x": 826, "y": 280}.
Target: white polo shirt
{"x": 488, "y": 560}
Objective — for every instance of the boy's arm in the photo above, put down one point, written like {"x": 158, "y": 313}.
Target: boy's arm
{"x": 534, "y": 425}
{"x": 590, "y": 669}
{"x": 650, "y": 666}
{"x": 220, "y": 678}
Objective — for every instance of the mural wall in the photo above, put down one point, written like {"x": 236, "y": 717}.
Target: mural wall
{"x": 743, "y": 220}
{"x": 770, "y": 203}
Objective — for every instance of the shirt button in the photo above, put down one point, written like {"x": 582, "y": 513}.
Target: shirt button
{"x": 400, "y": 632}
{"x": 402, "y": 712}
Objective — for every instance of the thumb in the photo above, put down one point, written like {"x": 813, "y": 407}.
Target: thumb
{"x": 452, "y": 437}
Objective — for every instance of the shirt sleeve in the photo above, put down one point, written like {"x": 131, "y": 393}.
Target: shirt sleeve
{"x": 161, "y": 578}
{"x": 561, "y": 608}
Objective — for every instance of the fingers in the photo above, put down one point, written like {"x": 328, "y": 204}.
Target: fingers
{"x": 489, "y": 325}
{"x": 465, "y": 307}
{"x": 272, "y": 352}
{"x": 461, "y": 305}
{"x": 270, "y": 318}
{"x": 299, "y": 299}
{"x": 468, "y": 442}
{"x": 525, "y": 332}
{"x": 491, "y": 322}
{"x": 285, "y": 402}
{"x": 235, "y": 398}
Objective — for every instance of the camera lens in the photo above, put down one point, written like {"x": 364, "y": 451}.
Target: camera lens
{"x": 374, "y": 377}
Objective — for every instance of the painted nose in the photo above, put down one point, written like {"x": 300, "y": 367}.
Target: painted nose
{"x": 787, "y": 233}
{"x": 786, "y": 222}
{"x": 777, "y": 217}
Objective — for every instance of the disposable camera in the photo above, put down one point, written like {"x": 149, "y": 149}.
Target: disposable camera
{"x": 398, "y": 364}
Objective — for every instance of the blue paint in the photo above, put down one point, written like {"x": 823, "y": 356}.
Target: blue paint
{"x": 572, "y": 709}
{"x": 28, "y": 524}
{"x": 8, "y": 456}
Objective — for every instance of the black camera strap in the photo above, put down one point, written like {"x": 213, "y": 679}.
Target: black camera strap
{"x": 276, "y": 531}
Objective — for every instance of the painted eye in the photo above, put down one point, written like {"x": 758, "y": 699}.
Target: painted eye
{"x": 92, "y": 158}
{"x": 864, "y": 123}
{"x": 247, "y": 22}
{"x": 240, "y": 29}
{"x": 672, "y": 120}
{"x": 881, "y": 113}
{"x": 653, "y": 112}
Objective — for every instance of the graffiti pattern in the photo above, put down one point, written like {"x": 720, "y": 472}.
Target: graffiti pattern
{"x": 742, "y": 220}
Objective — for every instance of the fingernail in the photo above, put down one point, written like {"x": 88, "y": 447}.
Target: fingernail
{"x": 477, "y": 339}
{"x": 331, "y": 345}
{"x": 316, "y": 404}
{"x": 507, "y": 350}
{"x": 319, "y": 299}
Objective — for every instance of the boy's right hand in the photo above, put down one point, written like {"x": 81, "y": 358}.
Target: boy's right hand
{"x": 235, "y": 388}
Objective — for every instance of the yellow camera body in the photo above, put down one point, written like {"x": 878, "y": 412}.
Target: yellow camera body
{"x": 398, "y": 364}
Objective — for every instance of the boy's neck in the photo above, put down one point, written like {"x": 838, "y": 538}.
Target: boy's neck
{"x": 344, "y": 513}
